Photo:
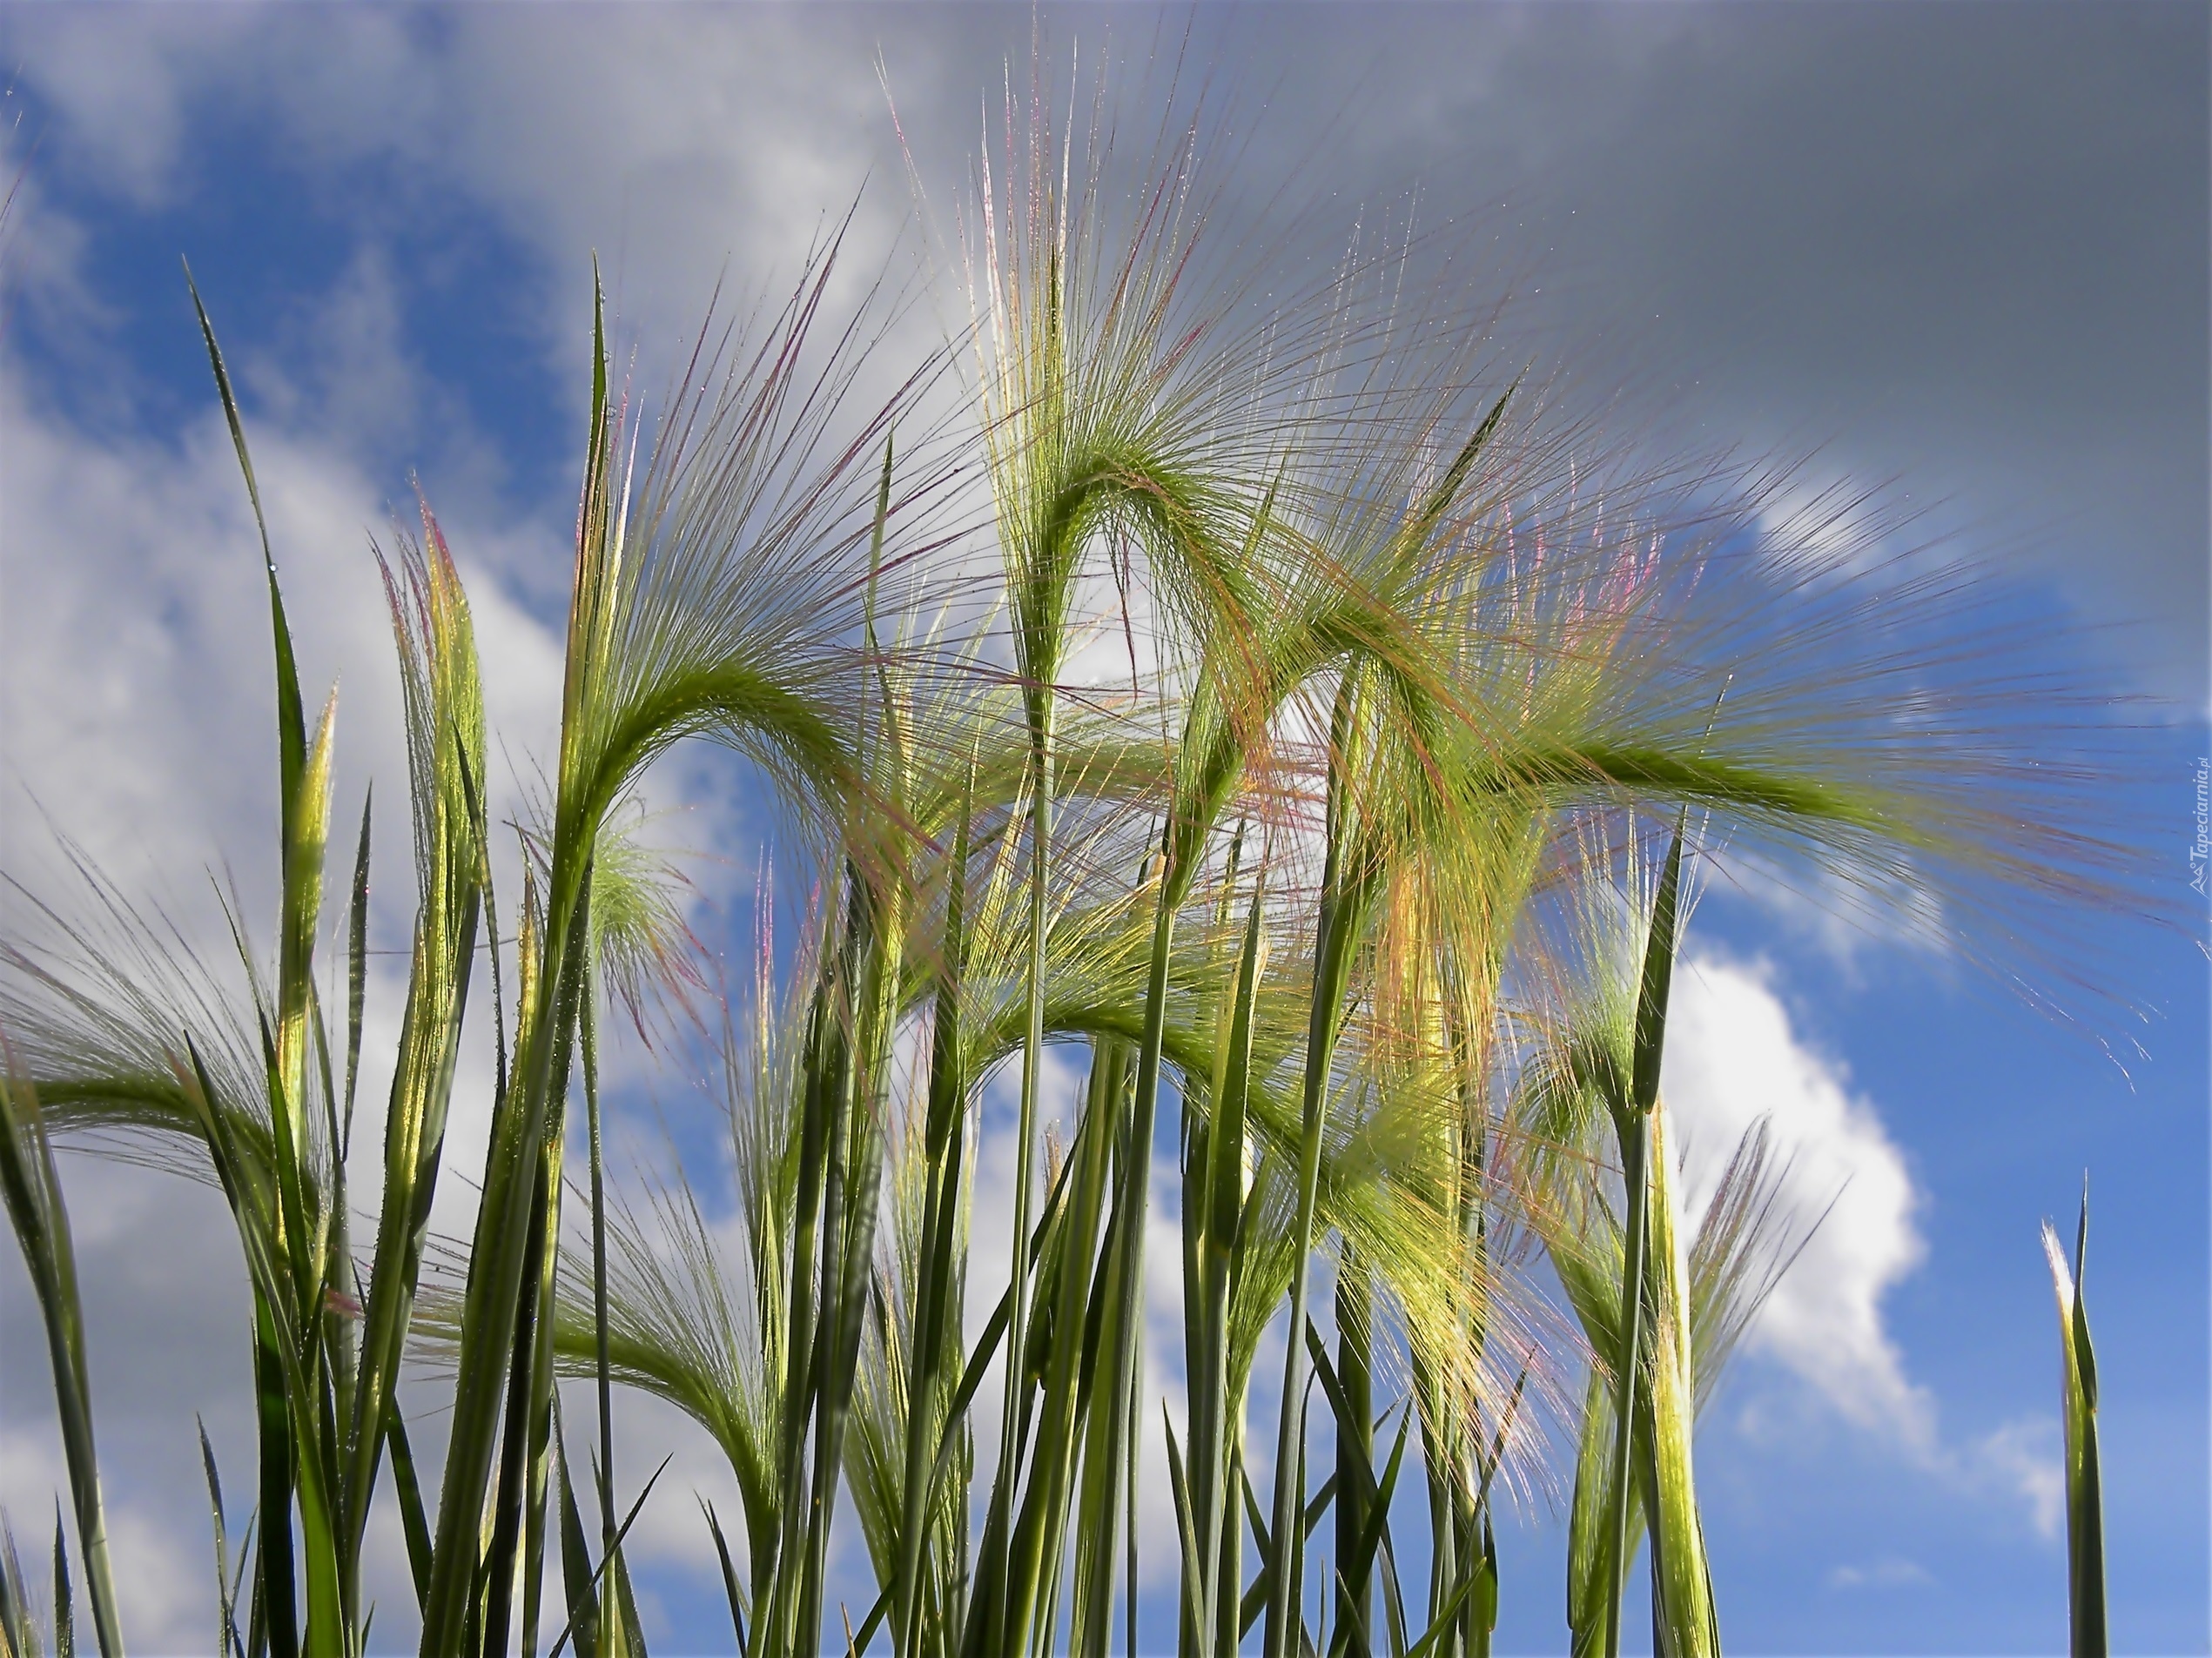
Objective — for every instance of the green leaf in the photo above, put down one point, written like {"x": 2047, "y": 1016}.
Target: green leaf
{"x": 729, "y": 1583}
{"x": 621, "y": 1532}
{"x": 1188, "y": 1528}
{"x": 412, "y": 1522}
{"x": 1657, "y": 977}
{"x": 2084, "y": 1476}
{"x": 579, "y": 1584}
{"x": 292, "y": 722}
{"x": 226, "y": 1632}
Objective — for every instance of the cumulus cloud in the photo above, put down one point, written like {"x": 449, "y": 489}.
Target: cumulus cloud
{"x": 1732, "y": 1059}
{"x": 1734, "y": 1056}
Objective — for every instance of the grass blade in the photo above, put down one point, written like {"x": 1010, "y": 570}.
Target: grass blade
{"x": 32, "y": 1189}
{"x": 2084, "y": 1478}
{"x": 227, "y": 1634}
{"x": 729, "y": 1583}
{"x": 579, "y": 1585}
{"x": 621, "y": 1532}
{"x": 292, "y": 724}
{"x": 411, "y": 1519}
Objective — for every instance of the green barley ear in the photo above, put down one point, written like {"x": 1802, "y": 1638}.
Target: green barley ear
{"x": 2084, "y": 1483}
{"x": 65, "y": 1612}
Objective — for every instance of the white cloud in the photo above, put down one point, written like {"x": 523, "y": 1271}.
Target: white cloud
{"x": 678, "y": 144}
{"x": 1734, "y": 1056}
{"x": 1887, "y": 1574}
{"x": 2020, "y": 1460}
{"x": 1822, "y": 511}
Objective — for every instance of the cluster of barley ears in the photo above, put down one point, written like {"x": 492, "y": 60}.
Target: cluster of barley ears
{"x": 1376, "y": 888}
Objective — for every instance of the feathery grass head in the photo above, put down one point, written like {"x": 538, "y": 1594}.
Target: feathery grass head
{"x": 99, "y": 1009}
{"x": 648, "y": 959}
{"x": 719, "y": 592}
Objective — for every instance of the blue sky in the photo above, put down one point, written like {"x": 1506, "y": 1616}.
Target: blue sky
{"x": 1956, "y": 254}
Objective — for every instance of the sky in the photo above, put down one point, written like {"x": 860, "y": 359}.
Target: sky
{"x": 1953, "y": 254}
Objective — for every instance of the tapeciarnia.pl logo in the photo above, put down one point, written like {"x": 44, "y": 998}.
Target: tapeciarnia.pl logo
{"x": 2200, "y": 847}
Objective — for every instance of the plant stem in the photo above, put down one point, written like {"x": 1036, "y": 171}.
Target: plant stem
{"x": 588, "y": 1018}
{"x": 1634, "y": 1136}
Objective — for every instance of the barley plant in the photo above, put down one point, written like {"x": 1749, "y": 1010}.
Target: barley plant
{"x": 1358, "y": 906}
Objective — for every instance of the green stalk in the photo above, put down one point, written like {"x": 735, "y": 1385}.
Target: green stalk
{"x": 945, "y": 1149}
{"x": 500, "y": 1255}
{"x": 1480, "y": 1611}
{"x": 443, "y": 700}
{"x": 1033, "y": 1560}
{"x": 1632, "y": 1127}
{"x": 1634, "y": 1136}
{"x": 1115, "y": 1453}
{"x": 816, "y": 1517}
{"x": 2084, "y": 1479}
{"x": 1080, "y": 1333}
{"x": 1098, "y": 1648}
{"x": 538, "y": 1462}
{"x": 1191, "y": 815}
{"x": 1682, "y": 1586}
{"x": 294, "y": 1432}
{"x": 820, "y": 1087}
{"x": 997, "y": 1564}
{"x": 1214, "y": 1497}
{"x": 1104, "y": 1503}
{"x": 512, "y": 1497}
{"x": 876, "y": 1019}
{"x": 1355, "y": 1450}
{"x": 579, "y": 1584}
{"x": 854, "y": 1237}
{"x": 1228, "y": 1566}
{"x": 413, "y": 1144}
{"x": 1342, "y": 899}
{"x": 606, "y": 1384}
{"x": 302, "y": 1221}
